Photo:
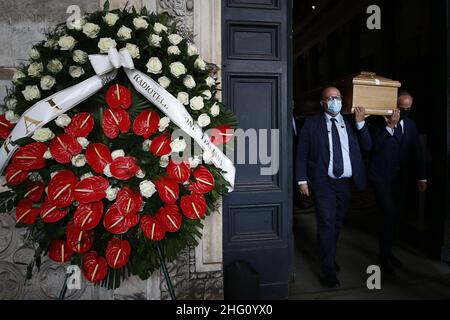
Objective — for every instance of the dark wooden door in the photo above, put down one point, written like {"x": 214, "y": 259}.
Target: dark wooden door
{"x": 256, "y": 81}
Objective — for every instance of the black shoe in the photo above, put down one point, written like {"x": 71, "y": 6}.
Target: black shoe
{"x": 395, "y": 262}
{"x": 337, "y": 267}
{"x": 332, "y": 282}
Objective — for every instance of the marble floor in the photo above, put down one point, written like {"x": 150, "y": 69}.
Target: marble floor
{"x": 420, "y": 278}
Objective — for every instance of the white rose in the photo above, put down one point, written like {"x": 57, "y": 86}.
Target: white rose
{"x": 11, "y": 116}
{"x": 140, "y": 23}
{"x": 173, "y": 50}
{"x": 77, "y": 24}
{"x": 107, "y": 171}
{"x": 146, "y": 145}
{"x": 147, "y": 188}
{"x": 178, "y": 145}
{"x": 105, "y": 44}
{"x": 183, "y": 97}
{"x": 124, "y": 33}
{"x": 175, "y": 39}
{"x": 31, "y": 93}
{"x": 111, "y": 193}
{"x": 210, "y": 81}
{"x": 215, "y": 110}
{"x": 194, "y": 161}
{"x": 177, "y": 69}
{"x": 200, "y": 64}
{"x": 48, "y": 154}
{"x": 164, "y": 81}
{"x": 163, "y": 123}
{"x": 155, "y": 40}
{"x": 11, "y": 103}
{"x": 117, "y": 154}
{"x": 86, "y": 175}
{"x": 207, "y": 156}
{"x": 34, "y": 54}
{"x": 43, "y": 134}
{"x": 133, "y": 50}
{"x": 63, "y": 120}
{"x": 54, "y": 66}
{"x": 154, "y": 65}
{"x": 207, "y": 94}
{"x": 203, "y": 120}
{"x": 76, "y": 71}
{"x": 67, "y": 43}
{"x": 164, "y": 161}
{"x": 35, "y": 69}
{"x": 158, "y": 28}
{"x": 79, "y": 56}
{"x": 47, "y": 82}
{"x": 17, "y": 76}
{"x": 110, "y": 19}
{"x": 196, "y": 103}
{"x": 79, "y": 160}
{"x": 192, "y": 49}
{"x": 83, "y": 142}
{"x": 91, "y": 30}
{"x": 189, "y": 82}
{"x": 140, "y": 174}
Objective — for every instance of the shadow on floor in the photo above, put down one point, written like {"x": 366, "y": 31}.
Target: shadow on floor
{"x": 420, "y": 278}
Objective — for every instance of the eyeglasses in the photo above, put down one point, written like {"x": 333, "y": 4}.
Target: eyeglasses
{"x": 332, "y": 98}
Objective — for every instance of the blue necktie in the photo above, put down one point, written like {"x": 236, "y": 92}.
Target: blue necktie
{"x": 338, "y": 162}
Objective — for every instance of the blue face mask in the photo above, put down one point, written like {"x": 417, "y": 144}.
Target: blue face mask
{"x": 334, "y": 106}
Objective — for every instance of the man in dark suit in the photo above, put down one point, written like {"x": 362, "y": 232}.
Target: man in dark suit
{"x": 396, "y": 157}
{"x": 328, "y": 160}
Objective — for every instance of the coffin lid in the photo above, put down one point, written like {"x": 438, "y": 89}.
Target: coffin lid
{"x": 371, "y": 78}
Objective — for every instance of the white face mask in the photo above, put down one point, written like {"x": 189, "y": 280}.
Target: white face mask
{"x": 334, "y": 106}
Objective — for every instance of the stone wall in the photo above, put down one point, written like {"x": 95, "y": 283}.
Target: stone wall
{"x": 197, "y": 272}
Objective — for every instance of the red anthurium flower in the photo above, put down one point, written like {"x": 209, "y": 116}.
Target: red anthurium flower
{"x": 124, "y": 168}
{"x": 15, "y": 176}
{"x": 152, "y": 229}
{"x": 168, "y": 189}
{"x": 117, "y": 253}
{"x": 81, "y": 125}
{"x": 79, "y": 241}
{"x": 169, "y": 217}
{"x": 116, "y": 222}
{"x": 5, "y": 127}
{"x": 91, "y": 189}
{"x": 221, "y": 134}
{"x": 94, "y": 267}
{"x": 88, "y": 215}
{"x": 50, "y": 213}
{"x": 115, "y": 121}
{"x": 98, "y": 156}
{"x": 128, "y": 201}
{"x": 61, "y": 188}
{"x": 118, "y": 96}
{"x": 30, "y": 156}
{"x": 34, "y": 191}
{"x": 204, "y": 180}
{"x": 59, "y": 251}
{"x": 64, "y": 147}
{"x": 25, "y": 213}
{"x": 179, "y": 172}
{"x": 193, "y": 206}
{"x": 146, "y": 123}
{"x": 161, "y": 145}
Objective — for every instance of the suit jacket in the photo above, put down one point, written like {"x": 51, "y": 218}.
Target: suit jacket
{"x": 393, "y": 157}
{"x": 313, "y": 151}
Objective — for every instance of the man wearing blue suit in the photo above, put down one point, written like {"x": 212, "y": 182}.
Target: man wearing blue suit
{"x": 328, "y": 160}
{"x": 396, "y": 157}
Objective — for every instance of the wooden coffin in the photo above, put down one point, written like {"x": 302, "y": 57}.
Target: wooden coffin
{"x": 377, "y": 94}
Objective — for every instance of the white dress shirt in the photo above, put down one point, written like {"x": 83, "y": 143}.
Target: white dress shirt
{"x": 343, "y": 136}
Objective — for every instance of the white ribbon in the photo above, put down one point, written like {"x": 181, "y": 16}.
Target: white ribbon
{"x": 105, "y": 67}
